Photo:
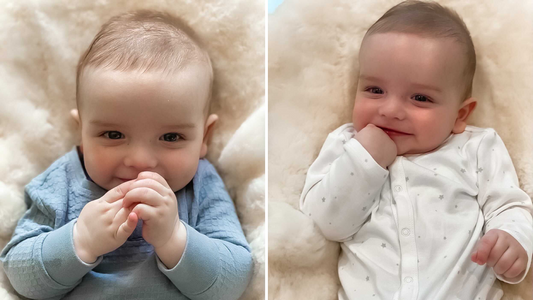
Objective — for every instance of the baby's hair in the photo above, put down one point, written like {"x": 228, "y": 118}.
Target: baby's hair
{"x": 144, "y": 41}
{"x": 430, "y": 20}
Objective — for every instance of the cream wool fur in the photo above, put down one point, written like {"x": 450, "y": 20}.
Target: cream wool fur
{"x": 41, "y": 42}
{"x": 313, "y": 50}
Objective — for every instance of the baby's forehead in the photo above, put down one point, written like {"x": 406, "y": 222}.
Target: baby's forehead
{"x": 419, "y": 48}
{"x": 187, "y": 89}
{"x": 411, "y": 37}
{"x": 423, "y": 49}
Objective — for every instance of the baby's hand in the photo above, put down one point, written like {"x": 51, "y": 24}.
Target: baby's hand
{"x": 378, "y": 144}
{"x": 151, "y": 198}
{"x": 103, "y": 225}
{"x": 501, "y": 251}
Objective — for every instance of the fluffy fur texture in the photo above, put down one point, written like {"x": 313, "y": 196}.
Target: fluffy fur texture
{"x": 41, "y": 43}
{"x": 313, "y": 50}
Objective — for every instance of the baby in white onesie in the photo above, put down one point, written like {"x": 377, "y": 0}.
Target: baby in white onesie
{"x": 425, "y": 206}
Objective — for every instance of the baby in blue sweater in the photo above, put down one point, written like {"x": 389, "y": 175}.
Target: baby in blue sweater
{"x": 134, "y": 212}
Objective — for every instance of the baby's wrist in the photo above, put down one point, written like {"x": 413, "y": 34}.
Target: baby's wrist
{"x": 172, "y": 251}
{"x": 86, "y": 257}
{"x": 80, "y": 250}
{"x": 177, "y": 238}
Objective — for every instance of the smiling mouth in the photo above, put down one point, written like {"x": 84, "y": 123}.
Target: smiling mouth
{"x": 392, "y": 131}
{"x": 123, "y": 179}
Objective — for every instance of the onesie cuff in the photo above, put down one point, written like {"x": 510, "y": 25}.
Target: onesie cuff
{"x": 60, "y": 259}
{"x": 198, "y": 267}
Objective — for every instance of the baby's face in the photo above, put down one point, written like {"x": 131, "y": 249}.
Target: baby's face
{"x": 133, "y": 122}
{"x": 412, "y": 85}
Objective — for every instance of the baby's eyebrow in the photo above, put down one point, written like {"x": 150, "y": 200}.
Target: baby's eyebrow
{"x": 170, "y": 126}
{"x": 102, "y": 123}
{"x": 180, "y": 126}
{"x": 427, "y": 87}
{"x": 415, "y": 85}
{"x": 371, "y": 78}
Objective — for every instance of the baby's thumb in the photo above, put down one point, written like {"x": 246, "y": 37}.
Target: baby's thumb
{"x": 476, "y": 255}
{"x": 473, "y": 257}
{"x": 127, "y": 228}
{"x": 484, "y": 247}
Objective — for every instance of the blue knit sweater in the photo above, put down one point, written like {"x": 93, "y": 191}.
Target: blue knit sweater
{"x": 41, "y": 263}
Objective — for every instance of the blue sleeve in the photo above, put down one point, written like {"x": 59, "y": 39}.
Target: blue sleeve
{"x": 217, "y": 262}
{"x": 39, "y": 260}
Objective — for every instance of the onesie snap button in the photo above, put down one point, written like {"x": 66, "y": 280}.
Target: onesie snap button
{"x": 406, "y": 231}
{"x": 398, "y": 188}
{"x": 408, "y": 279}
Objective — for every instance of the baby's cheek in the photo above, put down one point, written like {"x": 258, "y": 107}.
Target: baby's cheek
{"x": 100, "y": 167}
{"x": 356, "y": 120}
{"x": 182, "y": 171}
{"x": 360, "y": 115}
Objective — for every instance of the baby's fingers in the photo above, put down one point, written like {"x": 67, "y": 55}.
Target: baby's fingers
{"x": 142, "y": 195}
{"x": 117, "y": 192}
{"x": 497, "y": 252}
{"x": 145, "y": 212}
{"x": 516, "y": 270}
{"x": 505, "y": 262}
{"x": 484, "y": 248}
{"x": 127, "y": 228}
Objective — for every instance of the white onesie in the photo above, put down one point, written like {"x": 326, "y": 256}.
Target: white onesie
{"x": 408, "y": 232}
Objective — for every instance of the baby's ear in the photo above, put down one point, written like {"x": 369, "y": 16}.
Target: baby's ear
{"x": 76, "y": 116}
{"x": 467, "y": 107}
{"x": 208, "y": 132}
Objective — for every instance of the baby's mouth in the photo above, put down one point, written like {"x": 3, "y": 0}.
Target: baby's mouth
{"x": 391, "y": 132}
{"x": 123, "y": 179}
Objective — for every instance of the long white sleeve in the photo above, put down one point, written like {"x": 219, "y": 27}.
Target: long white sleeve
{"x": 504, "y": 205}
{"x": 342, "y": 186}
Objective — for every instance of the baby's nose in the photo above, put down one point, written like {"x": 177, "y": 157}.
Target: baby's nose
{"x": 393, "y": 108}
{"x": 141, "y": 159}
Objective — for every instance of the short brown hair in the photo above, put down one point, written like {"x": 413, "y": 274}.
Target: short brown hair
{"x": 432, "y": 20}
{"x": 144, "y": 40}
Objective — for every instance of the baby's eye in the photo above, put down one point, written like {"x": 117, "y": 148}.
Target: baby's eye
{"x": 113, "y": 135}
{"x": 421, "y": 98}
{"x": 171, "y": 137}
{"x": 374, "y": 90}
